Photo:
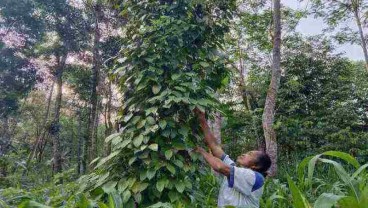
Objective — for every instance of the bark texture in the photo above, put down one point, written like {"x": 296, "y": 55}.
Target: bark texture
{"x": 270, "y": 105}
{"x": 91, "y": 139}
{"x": 55, "y": 125}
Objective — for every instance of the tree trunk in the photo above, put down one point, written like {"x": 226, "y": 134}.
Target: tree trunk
{"x": 92, "y": 128}
{"x": 108, "y": 123}
{"x": 80, "y": 143}
{"x": 40, "y": 138}
{"x": 55, "y": 126}
{"x": 363, "y": 43}
{"x": 244, "y": 92}
{"x": 270, "y": 105}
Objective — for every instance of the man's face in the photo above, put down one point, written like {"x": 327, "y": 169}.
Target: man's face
{"x": 248, "y": 159}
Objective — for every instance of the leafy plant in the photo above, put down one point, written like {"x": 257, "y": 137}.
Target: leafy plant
{"x": 354, "y": 184}
{"x": 171, "y": 65}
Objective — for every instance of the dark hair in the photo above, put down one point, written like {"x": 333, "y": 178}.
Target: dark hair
{"x": 263, "y": 163}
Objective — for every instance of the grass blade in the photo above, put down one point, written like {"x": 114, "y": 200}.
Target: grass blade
{"x": 327, "y": 200}
{"x": 299, "y": 200}
{"x": 344, "y": 156}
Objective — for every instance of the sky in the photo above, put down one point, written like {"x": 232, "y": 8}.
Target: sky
{"x": 312, "y": 26}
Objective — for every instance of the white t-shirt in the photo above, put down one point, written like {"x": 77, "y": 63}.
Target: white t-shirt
{"x": 243, "y": 188}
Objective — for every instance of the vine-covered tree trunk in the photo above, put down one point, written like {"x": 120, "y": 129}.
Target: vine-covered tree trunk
{"x": 244, "y": 92}
{"x": 170, "y": 67}
{"x": 92, "y": 127}
{"x": 80, "y": 142}
{"x": 55, "y": 126}
{"x": 270, "y": 105}
{"x": 363, "y": 41}
{"x": 108, "y": 123}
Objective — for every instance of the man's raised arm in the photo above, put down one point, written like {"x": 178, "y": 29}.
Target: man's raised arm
{"x": 209, "y": 138}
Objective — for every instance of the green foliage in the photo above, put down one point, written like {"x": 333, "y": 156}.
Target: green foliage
{"x": 317, "y": 99}
{"x": 348, "y": 189}
{"x": 17, "y": 78}
{"x": 170, "y": 66}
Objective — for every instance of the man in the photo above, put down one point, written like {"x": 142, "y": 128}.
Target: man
{"x": 243, "y": 183}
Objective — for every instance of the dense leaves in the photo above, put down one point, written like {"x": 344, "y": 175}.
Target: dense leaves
{"x": 170, "y": 65}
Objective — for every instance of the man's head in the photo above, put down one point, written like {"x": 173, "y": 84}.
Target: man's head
{"x": 255, "y": 160}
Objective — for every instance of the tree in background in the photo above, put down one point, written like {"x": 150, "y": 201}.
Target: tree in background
{"x": 17, "y": 73}
{"x": 67, "y": 24}
{"x": 335, "y": 12}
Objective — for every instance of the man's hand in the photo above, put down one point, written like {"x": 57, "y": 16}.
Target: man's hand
{"x": 214, "y": 162}
{"x": 209, "y": 138}
{"x": 199, "y": 150}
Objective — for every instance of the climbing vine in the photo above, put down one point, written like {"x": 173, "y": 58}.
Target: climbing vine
{"x": 170, "y": 63}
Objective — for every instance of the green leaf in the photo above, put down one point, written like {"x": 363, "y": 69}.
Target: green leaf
{"x": 299, "y": 200}
{"x": 132, "y": 160}
{"x": 156, "y": 89}
{"x": 152, "y": 110}
{"x": 109, "y": 187}
{"x": 112, "y": 136}
{"x": 153, "y": 147}
{"x": 204, "y": 64}
{"x": 138, "y": 141}
{"x": 122, "y": 185}
{"x": 94, "y": 161}
{"x": 161, "y": 205}
{"x": 115, "y": 200}
{"x": 311, "y": 166}
{"x": 150, "y": 120}
{"x": 175, "y": 76}
{"x": 180, "y": 186}
{"x": 342, "y": 155}
{"x": 344, "y": 176}
{"x": 139, "y": 187}
{"x": 171, "y": 168}
{"x": 126, "y": 196}
{"x": 3, "y": 204}
{"x": 151, "y": 174}
{"x": 168, "y": 154}
{"x": 32, "y": 204}
{"x": 160, "y": 185}
{"x": 178, "y": 163}
{"x": 128, "y": 117}
{"x": 272, "y": 198}
{"x": 327, "y": 200}
{"x": 135, "y": 119}
{"x": 188, "y": 184}
{"x": 361, "y": 169}
{"x": 141, "y": 124}
{"x": 348, "y": 202}
{"x": 301, "y": 167}
{"x": 184, "y": 131}
{"x": 102, "y": 205}
{"x": 173, "y": 195}
{"x": 123, "y": 144}
{"x": 162, "y": 124}
{"x": 106, "y": 159}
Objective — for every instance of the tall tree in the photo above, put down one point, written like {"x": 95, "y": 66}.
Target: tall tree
{"x": 64, "y": 33}
{"x": 270, "y": 104}
{"x": 17, "y": 73}
{"x": 335, "y": 12}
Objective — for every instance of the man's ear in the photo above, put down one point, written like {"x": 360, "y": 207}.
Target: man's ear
{"x": 254, "y": 167}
